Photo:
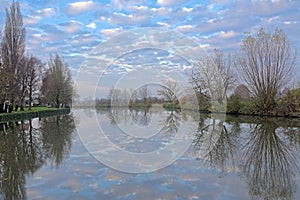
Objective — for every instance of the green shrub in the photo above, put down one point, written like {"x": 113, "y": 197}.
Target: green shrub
{"x": 248, "y": 107}
{"x": 234, "y": 104}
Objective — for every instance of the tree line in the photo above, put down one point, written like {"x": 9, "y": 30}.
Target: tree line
{"x": 256, "y": 80}
{"x": 25, "y": 79}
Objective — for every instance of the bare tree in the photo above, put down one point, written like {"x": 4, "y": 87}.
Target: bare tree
{"x": 266, "y": 65}
{"x": 3, "y": 87}
{"x": 57, "y": 86}
{"x": 212, "y": 76}
{"x": 115, "y": 96}
{"x": 170, "y": 91}
{"x": 13, "y": 48}
{"x": 34, "y": 71}
{"x": 144, "y": 93}
{"x": 23, "y": 81}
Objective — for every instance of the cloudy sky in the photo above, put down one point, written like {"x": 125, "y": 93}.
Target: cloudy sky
{"x": 75, "y": 28}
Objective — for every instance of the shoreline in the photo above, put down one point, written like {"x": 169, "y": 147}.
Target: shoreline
{"x": 19, "y": 116}
{"x": 291, "y": 115}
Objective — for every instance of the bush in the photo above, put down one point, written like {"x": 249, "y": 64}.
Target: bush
{"x": 248, "y": 107}
{"x": 234, "y": 104}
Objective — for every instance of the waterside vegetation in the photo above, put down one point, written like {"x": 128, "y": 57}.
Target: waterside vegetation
{"x": 25, "y": 80}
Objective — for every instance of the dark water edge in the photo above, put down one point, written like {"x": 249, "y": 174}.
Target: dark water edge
{"x": 19, "y": 116}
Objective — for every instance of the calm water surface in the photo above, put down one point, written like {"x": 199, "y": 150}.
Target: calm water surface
{"x": 250, "y": 158}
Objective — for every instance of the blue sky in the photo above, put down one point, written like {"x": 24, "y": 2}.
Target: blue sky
{"x": 74, "y": 28}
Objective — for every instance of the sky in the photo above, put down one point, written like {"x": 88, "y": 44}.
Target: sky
{"x": 75, "y": 28}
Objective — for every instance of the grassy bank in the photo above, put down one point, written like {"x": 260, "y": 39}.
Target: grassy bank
{"x": 35, "y": 112}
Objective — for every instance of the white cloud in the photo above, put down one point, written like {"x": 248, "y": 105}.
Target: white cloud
{"x": 228, "y": 34}
{"x": 78, "y": 8}
{"x": 204, "y": 45}
{"x": 185, "y": 9}
{"x": 170, "y": 2}
{"x": 92, "y": 25}
{"x": 290, "y": 22}
{"x": 31, "y": 20}
{"x": 184, "y": 28}
{"x": 164, "y": 25}
{"x": 123, "y": 19}
{"x": 72, "y": 27}
{"x": 121, "y": 4}
{"x": 85, "y": 41}
{"x": 161, "y": 11}
{"x": 140, "y": 8}
{"x": 47, "y": 12}
{"x": 108, "y": 33}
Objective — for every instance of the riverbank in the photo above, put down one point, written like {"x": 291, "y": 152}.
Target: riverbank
{"x": 243, "y": 111}
{"x": 36, "y": 112}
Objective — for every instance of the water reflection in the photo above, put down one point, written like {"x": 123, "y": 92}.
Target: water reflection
{"x": 26, "y": 146}
{"x": 269, "y": 162}
{"x": 262, "y": 150}
{"x": 57, "y": 137}
{"x": 171, "y": 122}
{"x": 216, "y": 145}
{"x": 141, "y": 117}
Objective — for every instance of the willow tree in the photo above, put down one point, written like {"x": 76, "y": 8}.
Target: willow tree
{"x": 266, "y": 65}
{"x": 12, "y": 50}
{"x": 57, "y": 84}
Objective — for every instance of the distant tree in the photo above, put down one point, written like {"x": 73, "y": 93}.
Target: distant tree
{"x": 144, "y": 93}
{"x": 115, "y": 97}
{"x": 12, "y": 50}
{"x": 266, "y": 65}
{"x": 57, "y": 84}
{"x": 170, "y": 91}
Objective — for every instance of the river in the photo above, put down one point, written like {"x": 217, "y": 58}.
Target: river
{"x": 150, "y": 154}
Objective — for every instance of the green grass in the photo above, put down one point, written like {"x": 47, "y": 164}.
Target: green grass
{"x": 35, "y": 112}
{"x": 36, "y": 109}
{"x": 171, "y": 106}
{"x": 33, "y": 109}
{"x": 141, "y": 106}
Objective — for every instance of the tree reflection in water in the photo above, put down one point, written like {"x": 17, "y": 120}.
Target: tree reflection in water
{"x": 269, "y": 162}
{"x": 24, "y": 148}
{"x": 141, "y": 117}
{"x": 57, "y": 137}
{"x": 215, "y": 144}
{"x": 263, "y": 149}
{"x": 171, "y": 122}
